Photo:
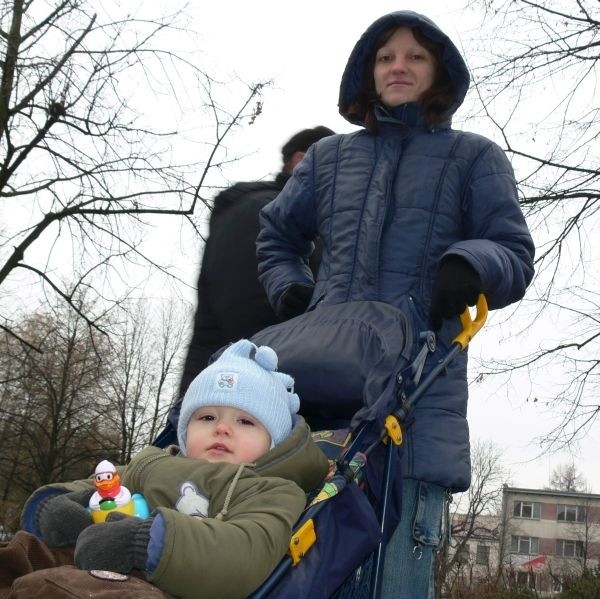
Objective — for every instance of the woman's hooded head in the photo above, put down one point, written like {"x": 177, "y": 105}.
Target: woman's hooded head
{"x": 355, "y": 99}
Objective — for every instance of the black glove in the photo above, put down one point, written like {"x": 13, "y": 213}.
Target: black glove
{"x": 294, "y": 301}
{"x": 457, "y": 286}
{"x": 61, "y": 518}
{"x": 120, "y": 544}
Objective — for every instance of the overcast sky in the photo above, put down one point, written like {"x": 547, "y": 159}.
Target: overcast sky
{"x": 303, "y": 47}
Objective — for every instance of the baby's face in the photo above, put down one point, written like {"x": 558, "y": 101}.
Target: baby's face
{"x": 220, "y": 434}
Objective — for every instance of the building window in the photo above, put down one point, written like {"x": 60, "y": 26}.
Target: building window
{"x": 463, "y": 553}
{"x": 567, "y": 548}
{"x": 570, "y": 513}
{"x": 526, "y": 509}
{"x": 526, "y": 580}
{"x": 483, "y": 555}
{"x": 524, "y": 545}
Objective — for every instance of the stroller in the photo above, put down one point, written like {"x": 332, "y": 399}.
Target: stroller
{"x": 338, "y": 544}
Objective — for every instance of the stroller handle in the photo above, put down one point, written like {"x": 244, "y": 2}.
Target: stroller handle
{"x": 472, "y": 325}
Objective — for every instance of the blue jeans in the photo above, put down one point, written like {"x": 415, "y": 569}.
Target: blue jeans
{"x": 408, "y": 571}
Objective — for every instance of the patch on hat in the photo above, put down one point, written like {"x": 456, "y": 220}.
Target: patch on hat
{"x": 226, "y": 381}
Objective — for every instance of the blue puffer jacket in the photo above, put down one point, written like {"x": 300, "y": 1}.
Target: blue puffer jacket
{"x": 388, "y": 207}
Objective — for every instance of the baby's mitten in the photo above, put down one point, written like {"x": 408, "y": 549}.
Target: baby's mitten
{"x": 61, "y": 518}
{"x": 120, "y": 544}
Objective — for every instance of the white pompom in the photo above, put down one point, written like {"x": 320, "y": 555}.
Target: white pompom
{"x": 266, "y": 357}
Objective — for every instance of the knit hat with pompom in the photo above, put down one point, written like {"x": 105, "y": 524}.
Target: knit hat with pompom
{"x": 244, "y": 377}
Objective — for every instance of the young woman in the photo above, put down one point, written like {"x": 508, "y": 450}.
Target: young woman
{"x": 416, "y": 214}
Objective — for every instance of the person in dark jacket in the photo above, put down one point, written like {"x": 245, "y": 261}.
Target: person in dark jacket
{"x": 232, "y": 304}
{"x": 416, "y": 214}
{"x": 222, "y": 504}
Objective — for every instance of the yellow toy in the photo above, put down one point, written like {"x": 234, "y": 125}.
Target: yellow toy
{"x": 111, "y": 495}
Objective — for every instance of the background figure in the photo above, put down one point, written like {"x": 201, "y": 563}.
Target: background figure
{"x": 418, "y": 215}
{"x": 232, "y": 304}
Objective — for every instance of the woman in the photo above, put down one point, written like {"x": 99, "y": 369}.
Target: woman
{"x": 416, "y": 214}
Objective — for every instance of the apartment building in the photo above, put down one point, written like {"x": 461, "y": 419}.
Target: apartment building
{"x": 540, "y": 538}
{"x": 550, "y": 534}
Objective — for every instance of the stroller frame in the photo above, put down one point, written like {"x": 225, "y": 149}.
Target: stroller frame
{"x": 348, "y": 466}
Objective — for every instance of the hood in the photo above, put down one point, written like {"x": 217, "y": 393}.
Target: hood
{"x": 359, "y": 57}
{"x": 297, "y": 458}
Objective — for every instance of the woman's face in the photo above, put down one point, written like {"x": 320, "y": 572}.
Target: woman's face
{"x": 404, "y": 69}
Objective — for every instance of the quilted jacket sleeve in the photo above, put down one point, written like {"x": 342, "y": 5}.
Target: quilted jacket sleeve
{"x": 288, "y": 231}
{"x": 497, "y": 242}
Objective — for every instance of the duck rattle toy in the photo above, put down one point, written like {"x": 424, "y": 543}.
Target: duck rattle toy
{"x": 112, "y": 496}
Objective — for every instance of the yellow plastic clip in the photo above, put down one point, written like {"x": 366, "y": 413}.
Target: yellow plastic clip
{"x": 302, "y": 540}
{"x": 471, "y": 326}
{"x": 394, "y": 429}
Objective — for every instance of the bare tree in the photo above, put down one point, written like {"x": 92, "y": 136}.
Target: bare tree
{"x": 589, "y": 539}
{"x": 566, "y": 478}
{"x": 85, "y": 396}
{"x": 474, "y": 518}
{"x": 51, "y": 403}
{"x": 537, "y": 85}
{"x": 146, "y": 349}
{"x": 106, "y": 127}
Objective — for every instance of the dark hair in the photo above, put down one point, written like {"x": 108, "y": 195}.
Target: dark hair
{"x": 435, "y": 102}
{"x": 301, "y": 141}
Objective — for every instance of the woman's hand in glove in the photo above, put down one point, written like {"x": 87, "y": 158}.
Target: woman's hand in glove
{"x": 294, "y": 301}
{"x": 457, "y": 286}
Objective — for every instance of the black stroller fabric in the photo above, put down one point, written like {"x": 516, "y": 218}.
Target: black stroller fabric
{"x": 341, "y": 357}
{"x": 344, "y": 359}
{"x": 347, "y": 532}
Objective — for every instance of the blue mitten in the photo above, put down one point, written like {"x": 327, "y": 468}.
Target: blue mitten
{"x": 61, "y": 518}
{"x": 120, "y": 544}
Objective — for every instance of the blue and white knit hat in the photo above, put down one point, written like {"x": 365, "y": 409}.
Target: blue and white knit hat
{"x": 244, "y": 377}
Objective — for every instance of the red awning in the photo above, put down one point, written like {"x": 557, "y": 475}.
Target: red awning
{"x": 537, "y": 563}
